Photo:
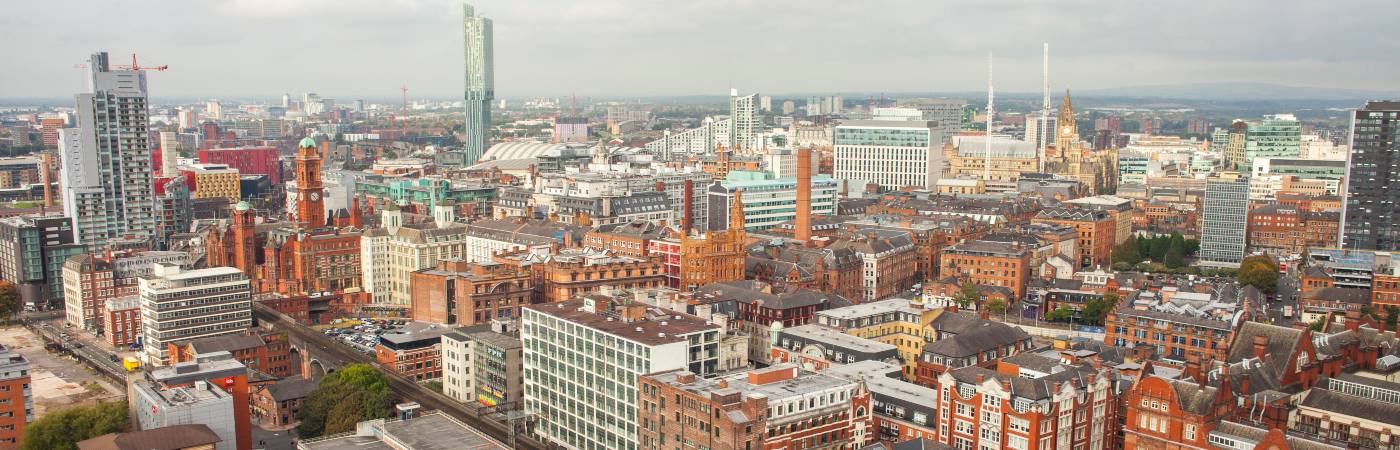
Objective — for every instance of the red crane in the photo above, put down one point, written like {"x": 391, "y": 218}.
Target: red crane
{"x": 135, "y": 66}
{"x": 404, "y": 88}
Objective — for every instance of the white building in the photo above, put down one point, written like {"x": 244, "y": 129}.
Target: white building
{"x": 892, "y": 154}
{"x": 178, "y": 305}
{"x": 106, "y": 160}
{"x": 767, "y": 202}
{"x": 586, "y": 394}
{"x": 182, "y": 395}
{"x": 394, "y": 251}
{"x": 703, "y": 139}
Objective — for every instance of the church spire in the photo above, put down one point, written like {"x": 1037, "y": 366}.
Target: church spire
{"x": 736, "y": 211}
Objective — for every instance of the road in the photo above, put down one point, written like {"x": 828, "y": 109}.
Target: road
{"x": 94, "y": 355}
{"x": 401, "y": 387}
{"x": 1287, "y": 296}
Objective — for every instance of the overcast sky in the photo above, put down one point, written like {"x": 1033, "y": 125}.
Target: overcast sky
{"x": 368, "y": 48}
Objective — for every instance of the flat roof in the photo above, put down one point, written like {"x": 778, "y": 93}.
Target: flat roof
{"x": 431, "y": 431}
{"x": 885, "y": 124}
{"x": 824, "y": 335}
{"x": 804, "y": 383}
{"x": 870, "y": 309}
{"x": 657, "y": 327}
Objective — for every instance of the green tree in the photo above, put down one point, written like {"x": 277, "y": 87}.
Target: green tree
{"x": 1160, "y": 245}
{"x": 1144, "y": 245}
{"x": 61, "y": 430}
{"x": 434, "y": 385}
{"x": 356, "y": 393}
{"x": 967, "y": 296}
{"x": 1126, "y": 253}
{"x": 1192, "y": 246}
{"x": 1174, "y": 258}
{"x": 1392, "y": 315}
{"x": 1259, "y": 271}
{"x": 1317, "y": 325}
{"x": 9, "y": 301}
{"x": 1176, "y": 241}
{"x": 996, "y": 306}
{"x": 1061, "y": 314}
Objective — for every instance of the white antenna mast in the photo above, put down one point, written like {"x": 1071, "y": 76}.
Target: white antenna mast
{"x": 991, "y": 111}
{"x": 1044, "y": 113}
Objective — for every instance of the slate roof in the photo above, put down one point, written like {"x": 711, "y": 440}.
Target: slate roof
{"x": 1194, "y": 398}
{"x": 173, "y": 437}
{"x": 986, "y": 336}
{"x": 226, "y": 343}
{"x": 1033, "y": 389}
{"x": 291, "y": 389}
{"x": 1338, "y": 403}
{"x": 752, "y": 291}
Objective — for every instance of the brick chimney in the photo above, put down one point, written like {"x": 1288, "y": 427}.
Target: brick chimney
{"x": 803, "y": 225}
{"x": 1261, "y": 346}
{"x": 689, "y": 204}
{"x": 1193, "y": 368}
{"x": 660, "y": 186}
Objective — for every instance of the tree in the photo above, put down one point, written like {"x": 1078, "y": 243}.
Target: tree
{"x": 9, "y": 301}
{"x": 61, "y": 430}
{"x": 967, "y": 296}
{"x": 1392, "y": 315}
{"x": 1160, "y": 245}
{"x": 1126, "y": 253}
{"x": 1259, "y": 271}
{"x": 1317, "y": 325}
{"x": 996, "y": 306}
{"x": 351, "y": 395}
{"x": 1176, "y": 241}
{"x": 1144, "y": 245}
{"x": 1175, "y": 258}
{"x": 1192, "y": 246}
{"x": 1061, "y": 314}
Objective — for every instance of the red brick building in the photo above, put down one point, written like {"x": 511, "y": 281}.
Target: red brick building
{"x": 248, "y": 161}
{"x": 121, "y": 321}
{"x": 457, "y": 292}
{"x": 16, "y": 403}
{"x": 987, "y": 263}
{"x": 415, "y": 351}
{"x": 1282, "y": 230}
{"x": 1076, "y": 407}
{"x": 1385, "y": 288}
{"x": 266, "y": 353}
{"x": 779, "y": 407}
{"x": 1164, "y": 413}
{"x": 627, "y": 239}
{"x": 1098, "y": 232}
{"x": 277, "y": 404}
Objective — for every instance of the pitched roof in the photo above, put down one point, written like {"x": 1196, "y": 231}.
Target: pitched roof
{"x": 226, "y": 343}
{"x": 986, "y": 336}
{"x": 1336, "y": 402}
{"x": 165, "y": 438}
{"x": 291, "y": 389}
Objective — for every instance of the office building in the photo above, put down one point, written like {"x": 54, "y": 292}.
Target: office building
{"x": 892, "y": 154}
{"x": 392, "y": 253}
{"x": 106, "y": 160}
{"x": 456, "y": 292}
{"x": 16, "y": 400}
{"x": 179, "y": 305}
{"x": 587, "y": 395}
{"x": 947, "y": 113}
{"x": 987, "y": 263}
{"x": 1278, "y": 136}
{"x": 482, "y": 365}
{"x": 480, "y": 81}
{"x": 246, "y": 160}
{"x": 1371, "y": 212}
{"x": 212, "y": 181}
{"x": 1224, "y": 218}
{"x": 212, "y": 391}
{"x": 767, "y": 202}
{"x": 32, "y": 252}
{"x": 413, "y": 351}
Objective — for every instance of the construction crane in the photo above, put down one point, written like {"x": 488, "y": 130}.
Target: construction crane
{"x": 135, "y": 66}
{"x": 404, "y": 88}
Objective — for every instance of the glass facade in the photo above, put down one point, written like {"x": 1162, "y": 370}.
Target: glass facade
{"x": 480, "y": 82}
{"x": 1225, "y": 214}
{"x": 1372, "y": 205}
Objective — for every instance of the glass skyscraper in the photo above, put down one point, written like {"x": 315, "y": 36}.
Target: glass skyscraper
{"x": 480, "y": 82}
{"x": 1372, "y": 204}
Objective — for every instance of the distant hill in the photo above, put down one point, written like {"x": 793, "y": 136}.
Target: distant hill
{"x": 1240, "y": 91}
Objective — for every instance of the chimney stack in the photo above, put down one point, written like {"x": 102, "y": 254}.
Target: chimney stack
{"x": 689, "y": 204}
{"x": 803, "y": 225}
{"x": 660, "y": 186}
{"x": 1261, "y": 346}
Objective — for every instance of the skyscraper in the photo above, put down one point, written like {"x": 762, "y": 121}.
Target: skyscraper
{"x": 106, "y": 160}
{"x": 1225, "y": 213}
{"x": 1372, "y": 204}
{"x": 743, "y": 121}
{"x": 480, "y": 82}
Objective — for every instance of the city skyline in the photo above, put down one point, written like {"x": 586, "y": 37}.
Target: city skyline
{"x": 309, "y": 46}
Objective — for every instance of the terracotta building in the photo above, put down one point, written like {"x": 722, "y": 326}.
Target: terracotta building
{"x": 789, "y": 265}
{"x": 931, "y": 235}
{"x": 716, "y": 255}
{"x": 888, "y": 260}
{"x": 457, "y": 292}
{"x": 759, "y": 305}
{"x": 627, "y": 239}
{"x": 1385, "y": 288}
{"x": 779, "y": 407}
{"x": 986, "y": 263}
{"x": 1164, "y": 413}
{"x": 569, "y": 273}
{"x": 1097, "y": 232}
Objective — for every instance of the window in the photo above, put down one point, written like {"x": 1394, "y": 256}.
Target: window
{"x": 1190, "y": 432}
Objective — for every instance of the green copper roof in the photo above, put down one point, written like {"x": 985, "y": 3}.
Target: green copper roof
{"x": 307, "y": 142}
{"x": 243, "y": 206}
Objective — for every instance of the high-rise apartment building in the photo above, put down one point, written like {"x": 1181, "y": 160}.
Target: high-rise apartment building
{"x": 744, "y": 125}
{"x": 106, "y": 160}
{"x": 1224, "y": 217}
{"x": 480, "y": 81}
{"x": 179, "y": 305}
{"x": 948, "y": 113}
{"x": 32, "y": 252}
{"x": 1371, "y": 212}
{"x": 892, "y": 154}
{"x": 582, "y": 360}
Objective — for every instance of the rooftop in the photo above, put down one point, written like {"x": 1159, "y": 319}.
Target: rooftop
{"x": 430, "y": 431}
{"x": 824, "y": 335}
{"x": 175, "y": 437}
{"x": 653, "y": 327}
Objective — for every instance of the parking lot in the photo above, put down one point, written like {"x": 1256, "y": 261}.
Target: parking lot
{"x": 363, "y": 333}
{"x": 58, "y": 381}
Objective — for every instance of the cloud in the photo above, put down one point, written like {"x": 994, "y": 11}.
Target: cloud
{"x": 664, "y": 47}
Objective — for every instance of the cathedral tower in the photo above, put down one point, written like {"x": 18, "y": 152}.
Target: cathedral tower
{"x": 1068, "y": 134}
{"x": 311, "y": 206}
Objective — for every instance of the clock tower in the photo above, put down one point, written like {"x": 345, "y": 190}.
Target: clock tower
{"x": 311, "y": 204}
{"x": 1068, "y": 133}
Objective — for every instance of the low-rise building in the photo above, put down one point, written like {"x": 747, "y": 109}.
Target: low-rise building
{"x": 888, "y": 258}
{"x": 816, "y": 347}
{"x": 482, "y": 365}
{"x": 265, "y": 353}
{"x": 900, "y": 322}
{"x": 781, "y": 406}
{"x": 1075, "y": 406}
{"x": 413, "y": 351}
{"x": 212, "y": 391}
{"x": 277, "y": 404}
{"x": 428, "y": 431}
{"x": 1098, "y": 231}
{"x": 457, "y": 292}
{"x": 569, "y": 273}
{"x": 174, "y": 437}
{"x": 1179, "y": 324}
{"x": 964, "y": 340}
{"x": 987, "y": 263}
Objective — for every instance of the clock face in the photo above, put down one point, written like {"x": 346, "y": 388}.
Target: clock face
{"x": 315, "y": 196}
{"x": 1067, "y": 130}
{"x": 814, "y": 352}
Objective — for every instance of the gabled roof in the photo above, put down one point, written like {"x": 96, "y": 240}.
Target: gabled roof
{"x": 984, "y": 337}
{"x": 291, "y": 389}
